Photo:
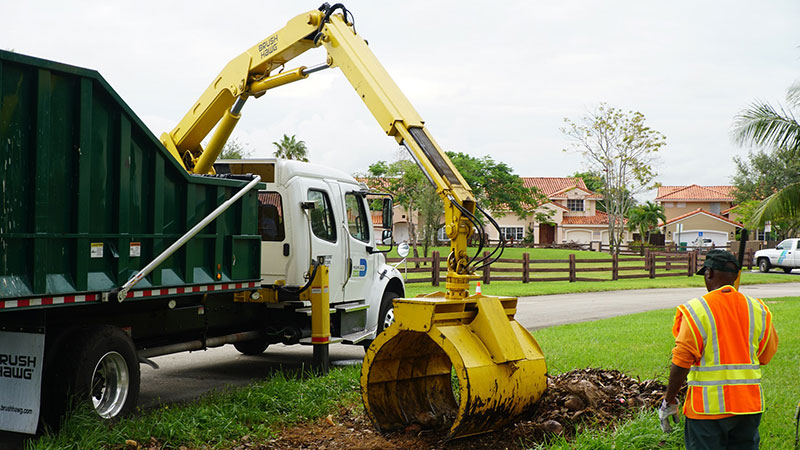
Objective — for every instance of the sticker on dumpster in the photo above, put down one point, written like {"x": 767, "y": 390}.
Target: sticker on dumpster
{"x": 97, "y": 250}
{"x": 136, "y": 249}
{"x": 21, "y": 358}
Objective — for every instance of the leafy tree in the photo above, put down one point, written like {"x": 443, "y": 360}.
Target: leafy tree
{"x": 291, "y": 148}
{"x": 776, "y": 129}
{"x": 495, "y": 186}
{"x": 645, "y": 218}
{"x": 619, "y": 146}
{"x": 411, "y": 189}
{"x": 234, "y": 149}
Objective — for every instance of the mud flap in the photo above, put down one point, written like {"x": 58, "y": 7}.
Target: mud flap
{"x": 21, "y": 364}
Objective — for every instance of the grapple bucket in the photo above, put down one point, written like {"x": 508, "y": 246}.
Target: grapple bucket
{"x": 407, "y": 376}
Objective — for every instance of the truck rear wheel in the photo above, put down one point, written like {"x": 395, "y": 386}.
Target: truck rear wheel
{"x": 103, "y": 368}
{"x": 763, "y": 265}
{"x": 251, "y": 348}
{"x": 787, "y": 269}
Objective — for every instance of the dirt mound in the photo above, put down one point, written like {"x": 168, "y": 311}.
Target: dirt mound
{"x": 594, "y": 397}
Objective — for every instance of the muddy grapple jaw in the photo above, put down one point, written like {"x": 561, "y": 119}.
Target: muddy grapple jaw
{"x": 409, "y": 370}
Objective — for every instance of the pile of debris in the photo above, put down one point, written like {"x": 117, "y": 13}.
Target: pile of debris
{"x": 586, "y": 397}
{"x": 596, "y": 396}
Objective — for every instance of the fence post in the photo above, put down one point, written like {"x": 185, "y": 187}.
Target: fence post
{"x": 572, "y": 267}
{"x": 435, "y": 268}
{"x": 614, "y": 267}
{"x": 526, "y": 260}
{"x": 647, "y": 259}
{"x": 652, "y": 264}
{"x": 749, "y": 257}
{"x": 487, "y": 271}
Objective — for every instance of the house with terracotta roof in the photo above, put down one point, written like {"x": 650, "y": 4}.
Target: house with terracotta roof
{"x": 574, "y": 215}
{"x": 694, "y": 212}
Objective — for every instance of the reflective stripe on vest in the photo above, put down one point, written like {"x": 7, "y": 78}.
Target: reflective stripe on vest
{"x": 723, "y": 381}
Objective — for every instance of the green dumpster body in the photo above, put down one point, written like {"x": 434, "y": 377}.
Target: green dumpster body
{"x": 89, "y": 196}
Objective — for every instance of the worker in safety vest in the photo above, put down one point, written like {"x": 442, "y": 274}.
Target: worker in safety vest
{"x": 721, "y": 341}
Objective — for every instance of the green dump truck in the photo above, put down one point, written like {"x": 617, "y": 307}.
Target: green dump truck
{"x": 90, "y": 198}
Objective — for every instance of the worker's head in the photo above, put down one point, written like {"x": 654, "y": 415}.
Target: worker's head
{"x": 719, "y": 269}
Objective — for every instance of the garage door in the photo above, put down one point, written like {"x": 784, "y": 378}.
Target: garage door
{"x": 720, "y": 238}
{"x": 578, "y": 236}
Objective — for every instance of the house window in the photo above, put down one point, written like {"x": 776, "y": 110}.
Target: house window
{"x": 681, "y": 204}
{"x": 575, "y": 205}
{"x": 669, "y": 205}
{"x": 510, "y": 233}
{"x": 714, "y": 208}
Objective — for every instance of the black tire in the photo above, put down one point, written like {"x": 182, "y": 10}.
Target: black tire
{"x": 98, "y": 366}
{"x": 385, "y": 314}
{"x": 763, "y": 265}
{"x": 252, "y": 348}
{"x": 787, "y": 269}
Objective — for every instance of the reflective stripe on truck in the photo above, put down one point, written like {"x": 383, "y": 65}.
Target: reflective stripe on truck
{"x": 69, "y": 299}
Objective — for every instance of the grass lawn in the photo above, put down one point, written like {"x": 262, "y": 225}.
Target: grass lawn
{"x": 518, "y": 289}
{"x": 637, "y": 344}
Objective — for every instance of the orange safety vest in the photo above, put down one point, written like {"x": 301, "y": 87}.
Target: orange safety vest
{"x": 730, "y": 330}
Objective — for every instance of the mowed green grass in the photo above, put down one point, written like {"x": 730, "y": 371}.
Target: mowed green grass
{"x": 637, "y": 344}
{"x": 518, "y": 289}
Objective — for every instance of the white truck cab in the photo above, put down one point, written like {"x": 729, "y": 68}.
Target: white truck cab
{"x": 784, "y": 255}
{"x": 311, "y": 212}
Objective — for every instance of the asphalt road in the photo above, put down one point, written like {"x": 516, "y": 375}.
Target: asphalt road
{"x": 187, "y": 376}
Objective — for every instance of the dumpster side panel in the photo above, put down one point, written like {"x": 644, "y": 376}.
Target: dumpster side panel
{"x": 90, "y": 196}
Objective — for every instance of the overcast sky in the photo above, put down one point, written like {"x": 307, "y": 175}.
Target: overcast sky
{"x": 489, "y": 78}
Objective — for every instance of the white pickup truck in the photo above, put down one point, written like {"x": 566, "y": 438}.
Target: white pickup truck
{"x": 786, "y": 256}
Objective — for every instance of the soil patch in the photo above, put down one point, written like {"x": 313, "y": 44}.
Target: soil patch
{"x": 574, "y": 400}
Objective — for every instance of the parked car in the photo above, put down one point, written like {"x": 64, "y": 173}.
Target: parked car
{"x": 784, "y": 256}
{"x": 703, "y": 243}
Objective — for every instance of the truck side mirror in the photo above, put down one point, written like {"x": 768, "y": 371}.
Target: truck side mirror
{"x": 386, "y": 237}
{"x": 387, "y": 213}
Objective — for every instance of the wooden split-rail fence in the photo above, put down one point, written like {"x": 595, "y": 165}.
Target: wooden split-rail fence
{"x": 527, "y": 270}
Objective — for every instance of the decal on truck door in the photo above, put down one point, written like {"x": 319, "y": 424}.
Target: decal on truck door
{"x": 21, "y": 359}
{"x": 360, "y": 269}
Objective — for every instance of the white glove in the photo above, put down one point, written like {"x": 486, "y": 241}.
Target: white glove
{"x": 665, "y": 412}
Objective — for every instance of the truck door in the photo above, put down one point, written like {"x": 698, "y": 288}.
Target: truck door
{"x": 325, "y": 239}
{"x": 271, "y": 227}
{"x": 362, "y": 263}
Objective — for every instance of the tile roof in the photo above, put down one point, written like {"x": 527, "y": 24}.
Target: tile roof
{"x": 702, "y": 211}
{"x": 552, "y": 186}
{"x": 599, "y": 218}
{"x": 695, "y": 192}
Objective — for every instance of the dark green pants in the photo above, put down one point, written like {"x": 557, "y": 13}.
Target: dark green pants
{"x": 732, "y": 433}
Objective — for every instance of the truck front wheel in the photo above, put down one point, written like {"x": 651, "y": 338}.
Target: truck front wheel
{"x": 102, "y": 367}
{"x": 763, "y": 265}
{"x": 385, "y": 315}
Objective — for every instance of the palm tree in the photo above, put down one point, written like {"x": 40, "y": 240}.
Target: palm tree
{"x": 644, "y": 218}
{"x": 764, "y": 126}
{"x": 291, "y": 148}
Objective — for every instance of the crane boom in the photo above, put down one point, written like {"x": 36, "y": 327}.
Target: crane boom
{"x": 407, "y": 370}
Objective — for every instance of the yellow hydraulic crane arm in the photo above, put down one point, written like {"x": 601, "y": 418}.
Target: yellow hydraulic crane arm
{"x": 251, "y": 74}
{"x": 407, "y": 372}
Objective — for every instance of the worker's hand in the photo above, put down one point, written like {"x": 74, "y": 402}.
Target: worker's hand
{"x": 665, "y": 412}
